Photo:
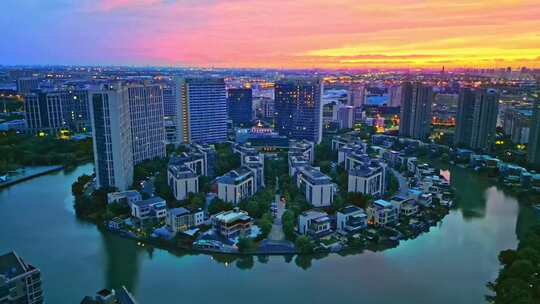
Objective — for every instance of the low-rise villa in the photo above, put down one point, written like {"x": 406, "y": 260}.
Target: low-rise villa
{"x": 382, "y": 213}
{"x": 314, "y": 223}
{"x": 351, "y": 219}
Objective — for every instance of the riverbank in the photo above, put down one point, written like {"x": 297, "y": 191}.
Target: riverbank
{"x": 24, "y": 174}
{"x": 372, "y": 237}
{"x": 482, "y": 222}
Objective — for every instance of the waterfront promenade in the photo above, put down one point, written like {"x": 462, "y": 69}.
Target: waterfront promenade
{"x": 26, "y": 173}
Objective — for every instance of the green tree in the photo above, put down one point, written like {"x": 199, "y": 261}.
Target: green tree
{"x": 288, "y": 223}
{"x": 266, "y": 224}
{"x": 246, "y": 245}
{"x": 359, "y": 199}
{"x": 303, "y": 244}
{"x": 217, "y": 205}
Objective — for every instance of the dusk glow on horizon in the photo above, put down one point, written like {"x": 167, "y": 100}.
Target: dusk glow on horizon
{"x": 274, "y": 34}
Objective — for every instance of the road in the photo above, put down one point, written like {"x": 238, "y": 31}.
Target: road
{"x": 403, "y": 182}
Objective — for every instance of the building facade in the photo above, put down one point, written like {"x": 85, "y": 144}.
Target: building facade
{"x": 202, "y": 108}
{"x": 486, "y": 109}
{"x": 26, "y": 85}
{"x": 111, "y": 134}
{"x": 46, "y": 111}
{"x": 146, "y": 119}
{"x": 239, "y": 106}
{"x": 533, "y": 151}
{"x": 236, "y": 185}
{"x": 415, "y": 118}
{"x": 464, "y": 117}
{"x": 298, "y": 108}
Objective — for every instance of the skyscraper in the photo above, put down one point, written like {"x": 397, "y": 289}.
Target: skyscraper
{"x": 170, "y": 105}
{"x": 169, "y": 101}
{"x": 476, "y": 118}
{"x": 486, "y": 109}
{"x": 113, "y": 151}
{"x": 27, "y": 84}
{"x": 19, "y": 282}
{"x": 46, "y": 111}
{"x": 146, "y": 118}
{"x": 203, "y": 110}
{"x": 357, "y": 95}
{"x": 78, "y": 116}
{"x": 533, "y": 151}
{"x": 394, "y": 96}
{"x": 345, "y": 117}
{"x": 299, "y": 108}
{"x": 464, "y": 117}
{"x": 415, "y": 119}
{"x": 239, "y": 106}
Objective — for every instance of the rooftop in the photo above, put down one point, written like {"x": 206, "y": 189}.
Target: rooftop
{"x": 236, "y": 176}
{"x": 382, "y": 203}
{"x": 11, "y": 265}
{"x": 314, "y": 176}
{"x": 350, "y": 209}
{"x": 232, "y": 215}
{"x": 150, "y": 201}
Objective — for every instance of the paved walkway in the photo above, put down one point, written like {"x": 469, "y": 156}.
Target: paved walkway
{"x": 276, "y": 234}
{"x": 403, "y": 182}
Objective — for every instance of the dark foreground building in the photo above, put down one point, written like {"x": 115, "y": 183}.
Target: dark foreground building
{"x": 20, "y": 283}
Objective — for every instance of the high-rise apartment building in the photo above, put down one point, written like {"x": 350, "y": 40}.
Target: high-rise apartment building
{"x": 394, "y": 96}
{"x": 415, "y": 118}
{"x": 464, "y": 117}
{"x": 357, "y": 95}
{"x": 298, "y": 108}
{"x": 476, "y": 118}
{"x": 146, "y": 119}
{"x": 533, "y": 151}
{"x": 239, "y": 106}
{"x": 170, "y": 105}
{"x": 202, "y": 109}
{"x": 46, "y": 111}
{"x": 53, "y": 110}
{"x": 26, "y": 85}
{"x": 345, "y": 117}
{"x": 19, "y": 282}
{"x": 78, "y": 115}
{"x": 169, "y": 100}
{"x": 486, "y": 109}
{"x": 111, "y": 133}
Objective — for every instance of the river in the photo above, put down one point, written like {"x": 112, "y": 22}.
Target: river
{"x": 450, "y": 264}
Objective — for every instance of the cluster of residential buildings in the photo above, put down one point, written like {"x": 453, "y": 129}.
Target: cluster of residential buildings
{"x": 183, "y": 170}
{"x": 366, "y": 175}
{"x": 318, "y": 188}
{"x": 243, "y": 182}
{"x": 510, "y": 174}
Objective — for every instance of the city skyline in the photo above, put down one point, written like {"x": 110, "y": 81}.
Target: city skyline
{"x": 243, "y": 33}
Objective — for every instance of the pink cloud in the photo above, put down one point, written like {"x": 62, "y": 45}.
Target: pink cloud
{"x": 286, "y": 33}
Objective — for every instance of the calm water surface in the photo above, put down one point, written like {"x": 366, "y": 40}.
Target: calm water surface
{"x": 450, "y": 264}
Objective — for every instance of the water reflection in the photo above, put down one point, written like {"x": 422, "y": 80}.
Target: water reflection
{"x": 76, "y": 254}
{"x": 123, "y": 260}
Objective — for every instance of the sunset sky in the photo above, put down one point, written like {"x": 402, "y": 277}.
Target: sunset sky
{"x": 272, "y": 33}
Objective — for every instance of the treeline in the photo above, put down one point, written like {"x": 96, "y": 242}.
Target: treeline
{"x": 93, "y": 206}
{"x": 19, "y": 150}
{"x": 519, "y": 279}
